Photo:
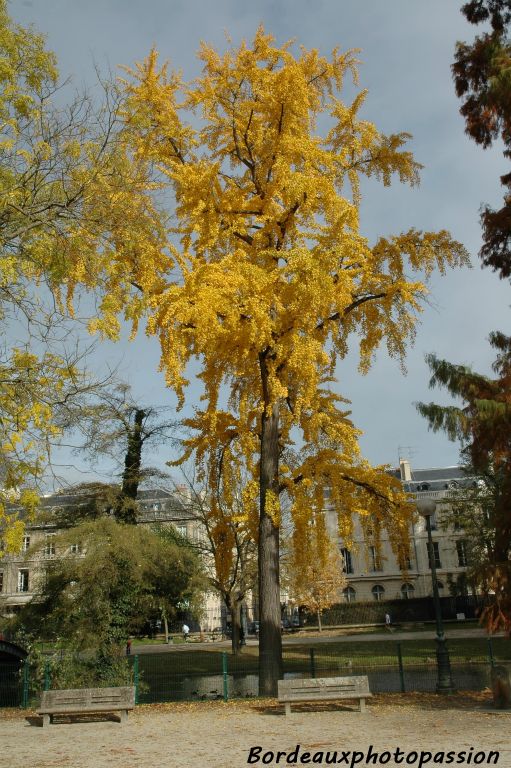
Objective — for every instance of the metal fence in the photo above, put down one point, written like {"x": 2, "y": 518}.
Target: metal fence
{"x": 186, "y": 674}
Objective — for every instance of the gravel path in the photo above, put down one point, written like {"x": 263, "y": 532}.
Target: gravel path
{"x": 221, "y": 735}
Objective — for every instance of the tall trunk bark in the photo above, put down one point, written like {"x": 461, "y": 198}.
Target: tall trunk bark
{"x": 320, "y": 627}
{"x": 270, "y": 639}
{"x": 236, "y": 626}
{"x": 165, "y": 626}
{"x": 125, "y": 510}
{"x": 133, "y": 458}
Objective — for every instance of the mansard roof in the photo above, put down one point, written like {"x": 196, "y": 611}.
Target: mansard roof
{"x": 436, "y": 479}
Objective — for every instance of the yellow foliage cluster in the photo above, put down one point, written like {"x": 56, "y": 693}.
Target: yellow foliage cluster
{"x": 262, "y": 272}
{"x": 268, "y": 268}
{"x": 316, "y": 567}
{"x": 68, "y": 198}
{"x": 29, "y": 386}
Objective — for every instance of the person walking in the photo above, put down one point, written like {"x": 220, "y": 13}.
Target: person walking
{"x": 186, "y": 632}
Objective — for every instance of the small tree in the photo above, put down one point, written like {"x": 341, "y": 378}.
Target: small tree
{"x": 226, "y": 543}
{"x": 108, "y": 580}
{"x": 316, "y": 573}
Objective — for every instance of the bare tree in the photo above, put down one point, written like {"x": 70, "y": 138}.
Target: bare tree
{"x": 114, "y": 424}
{"x": 226, "y": 543}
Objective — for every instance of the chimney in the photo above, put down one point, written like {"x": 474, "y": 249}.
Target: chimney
{"x": 405, "y": 469}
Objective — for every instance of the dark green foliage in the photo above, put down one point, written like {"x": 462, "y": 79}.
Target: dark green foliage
{"x": 482, "y": 76}
{"x": 124, "y": 576}
{"x": 73, "y": 670}
{"x": 91, "y": 501}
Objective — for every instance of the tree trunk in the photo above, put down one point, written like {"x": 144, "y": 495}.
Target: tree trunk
{"x": 126, "y": 508}
{"x": 270, "y": 639}
{"x": 236, "y": 626}
{"x": 319, "y": 620}
{"x": 165, "y": 626}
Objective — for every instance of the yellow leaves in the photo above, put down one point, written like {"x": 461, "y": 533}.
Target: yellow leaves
{"x": 355, "y": 489}
{"x": 271, "y": 254}
{"x": 264, "y": 266}
{"x": 272, "y": 507}
{"x": 316, "y": 567}
{"x": 151, "y": 113}
{"x": 29, "y": 386}
{"x": 13, "y": 529}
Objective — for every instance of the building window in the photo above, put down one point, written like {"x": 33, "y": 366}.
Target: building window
{"x": 348, "y": 564}
{"x": 349, "y": 595}
{"x": 1, "y": 581}
{"x": 26, "y": 543}
{"x": 375, "y": 559}
{"x": 407, "y": 591}
{"x": 405, "y": 564}
{"x": 76, "y": 549}
{"x": 49, "y": 547}
{"x": 378, "y": 592}
{"x": 23, "y": 580}
{"x": 461, "y": 549}
{"x": 436, "y": 555}
{"x": 181, "y": 529}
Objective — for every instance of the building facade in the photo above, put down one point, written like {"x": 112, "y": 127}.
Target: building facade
{"x": 372, "y": 574}
{"x": 375, "y": 574}
{"x": 21, "y": 574}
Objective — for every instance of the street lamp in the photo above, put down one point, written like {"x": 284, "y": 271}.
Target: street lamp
{"x": 426, "y": 508}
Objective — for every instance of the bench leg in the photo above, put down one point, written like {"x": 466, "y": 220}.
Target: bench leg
{"x": 362, "y": 705}
{"x": 123, "y": 715}
{"x": 288, "y": 708}
{"x": 46, "y": 720}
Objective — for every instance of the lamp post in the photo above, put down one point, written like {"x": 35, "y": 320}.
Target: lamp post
{"x": 426, "y": 508}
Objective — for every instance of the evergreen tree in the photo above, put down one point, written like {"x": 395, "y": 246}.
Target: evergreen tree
{"x": 482, "y": 76}
{"x": 483, "y": 425}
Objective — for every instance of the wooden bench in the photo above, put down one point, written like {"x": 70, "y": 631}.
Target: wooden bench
{"x": 324, "y": 689}
{"x": 78, "y": 701}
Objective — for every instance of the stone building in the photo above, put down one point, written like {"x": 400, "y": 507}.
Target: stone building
{"x": 374, "y": 575}
{"x": 20, "y": 574}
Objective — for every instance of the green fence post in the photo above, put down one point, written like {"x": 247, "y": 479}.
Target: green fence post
{"x": 26, "y": 673}
{"x": 401, "y": 670}
{"x": 312, "y": 662}
{"x": 47, "y": 676}
{"x": 135, "y": 677}
{"x": 490, "y": 653}
{"x": 224, "y": 673}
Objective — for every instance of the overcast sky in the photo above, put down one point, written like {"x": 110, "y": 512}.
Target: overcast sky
{"x": 406, "y": 50}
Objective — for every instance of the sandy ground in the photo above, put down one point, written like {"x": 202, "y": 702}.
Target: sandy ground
{"x": 217, "y": 734}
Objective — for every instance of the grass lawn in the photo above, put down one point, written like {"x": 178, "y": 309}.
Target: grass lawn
{"x": 327, "y": 656}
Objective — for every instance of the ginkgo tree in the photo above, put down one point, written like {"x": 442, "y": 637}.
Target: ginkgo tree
{"x": 267, "y": 280}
